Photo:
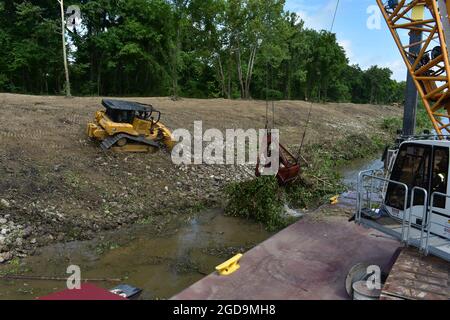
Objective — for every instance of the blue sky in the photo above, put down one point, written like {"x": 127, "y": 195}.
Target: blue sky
{"x": 363, "y": 46}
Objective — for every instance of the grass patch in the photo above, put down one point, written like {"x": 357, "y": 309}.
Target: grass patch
{"x": 13, "y": 268}
{"x": 106, "y": 246}
{"x": 72, "y": 179}
{"x": 423, "y": 122}
{"x": 197, "y": 207}
{"x": 392, "y": 124}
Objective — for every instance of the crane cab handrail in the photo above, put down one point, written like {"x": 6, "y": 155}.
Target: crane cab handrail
{"x": 424, "y": 214}
{"x": 425, "y": 237}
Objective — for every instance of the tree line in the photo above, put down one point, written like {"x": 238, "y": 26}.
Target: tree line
{"x": 191, "y": 48}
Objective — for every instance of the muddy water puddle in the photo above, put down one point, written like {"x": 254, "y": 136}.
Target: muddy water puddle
{"x": 350, "y": 175}
{"x": 351, "y": 171}
{"x": 161, "y": 263}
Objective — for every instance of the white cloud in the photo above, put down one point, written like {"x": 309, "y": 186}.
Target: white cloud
{"x": 320, "y": 18}
{"x": 317, "y": 17}
{"x": 398, "y": 68}
{"x": 347, "y": 45}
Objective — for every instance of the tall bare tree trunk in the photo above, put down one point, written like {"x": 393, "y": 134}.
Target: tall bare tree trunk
{"x": 63, "y": 32}
{"x": 230, "y": 75}
{"x": 248, "y": 79}
{"x": 239, "y": 69}
{"x": 222, "y": 77}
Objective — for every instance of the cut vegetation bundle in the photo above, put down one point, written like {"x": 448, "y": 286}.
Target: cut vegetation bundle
{"x": 263, "y": 199}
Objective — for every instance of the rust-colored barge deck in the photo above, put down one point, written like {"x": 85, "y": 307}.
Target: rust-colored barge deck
{"x": 308, "y": 260}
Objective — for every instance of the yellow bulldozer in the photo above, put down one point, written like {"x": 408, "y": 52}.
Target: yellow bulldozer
{"x": 129, "y": 127}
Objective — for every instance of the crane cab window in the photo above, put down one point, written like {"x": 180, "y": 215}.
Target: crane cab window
{"x": 440, "y": 175}
{"x": 412, "y": 168}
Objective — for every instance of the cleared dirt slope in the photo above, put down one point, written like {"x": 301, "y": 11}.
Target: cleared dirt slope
{"x": 56, "y": 185}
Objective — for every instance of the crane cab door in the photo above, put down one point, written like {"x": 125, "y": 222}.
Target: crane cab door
{"x": 425, "y": 166}
{"x": 440, "y": 206}
{"x": 412, "y": 167}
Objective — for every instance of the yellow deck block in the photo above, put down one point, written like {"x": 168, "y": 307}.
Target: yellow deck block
{"x": 230, "y": 266}
{"x": 334, "y": 200}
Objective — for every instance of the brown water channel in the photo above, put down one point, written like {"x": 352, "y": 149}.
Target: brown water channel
{"x": 162, "y": 263}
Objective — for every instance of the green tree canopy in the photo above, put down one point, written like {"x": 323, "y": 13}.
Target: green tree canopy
{"x": 192, "y": 48}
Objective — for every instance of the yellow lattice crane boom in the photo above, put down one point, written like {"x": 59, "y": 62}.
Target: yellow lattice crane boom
{"x": 430, "y": 67}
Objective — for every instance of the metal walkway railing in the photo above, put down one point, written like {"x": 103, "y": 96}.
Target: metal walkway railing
{"x": 371, "y": 191}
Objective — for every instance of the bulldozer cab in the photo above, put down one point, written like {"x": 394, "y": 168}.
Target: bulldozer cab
{"x": 126, "y": 111}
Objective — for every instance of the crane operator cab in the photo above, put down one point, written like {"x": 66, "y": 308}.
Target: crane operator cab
{"x": 423, "y": 165}
{"x": 413, "y": 200}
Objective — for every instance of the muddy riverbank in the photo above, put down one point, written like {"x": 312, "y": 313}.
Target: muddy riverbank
{"x": 162, "y": 256}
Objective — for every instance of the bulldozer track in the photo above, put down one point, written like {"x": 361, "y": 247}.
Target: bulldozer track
{"x": 35, "y": 135}
{"x": 36, "y": 138}
{"x": 74, "y": 119}
{"x": 111, "y": 141}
